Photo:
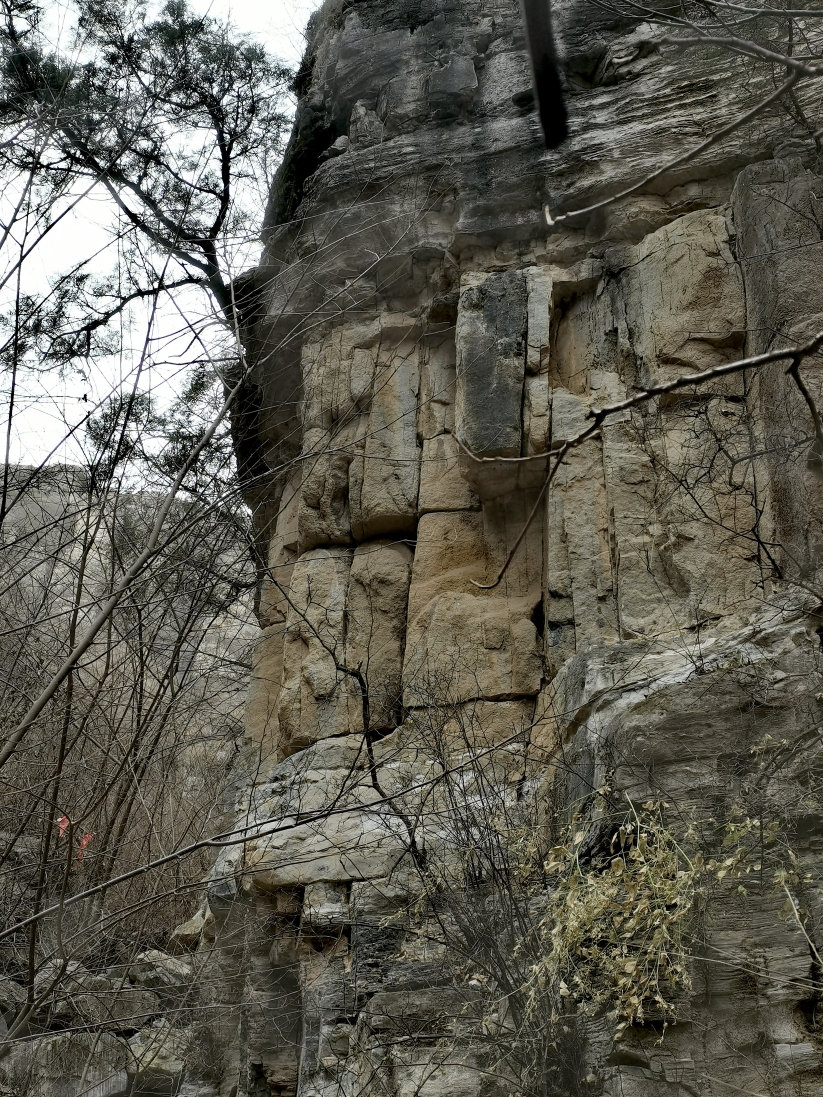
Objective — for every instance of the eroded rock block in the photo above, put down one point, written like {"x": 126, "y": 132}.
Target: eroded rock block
{"x": 157, "y": 1058}
{"x": 317, "y": 699}
{"x": 353, "y": 845}
{"x": 324, "y": 516}
{"x": 452, "y": 87}
{"x": 376, "y": 607}
{"x": 491, "y": 333}
{"x": 385, "y": 480}
{"x": 443, "y": 486}
{"x": 475, "y": 647}
{"x": 684, "y": 299}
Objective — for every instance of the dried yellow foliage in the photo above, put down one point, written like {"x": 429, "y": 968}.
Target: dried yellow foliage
{"x": 615, "y": 929}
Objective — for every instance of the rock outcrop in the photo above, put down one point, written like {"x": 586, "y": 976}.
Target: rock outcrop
{"x": 454, "y": 647}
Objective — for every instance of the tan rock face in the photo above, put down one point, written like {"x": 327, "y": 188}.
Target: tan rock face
{"x": 480, "y": 647}
{"x": 316, "y": 698}
{"x": 361, "y": 458}
{"x": 384, "y": 482}
{"x": 377, "y": 598}
{"x": 683, "y": 296}
{"x": 443, "y": 486}
{"x": 466, "y": 645}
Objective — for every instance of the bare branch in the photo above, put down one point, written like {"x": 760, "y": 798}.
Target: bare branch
{"x": 718, "y": 135}
{"x": 599, "y": 416}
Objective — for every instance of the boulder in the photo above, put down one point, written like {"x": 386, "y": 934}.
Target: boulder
{"x": 157, "y": 1058}
{"x": 157, "y": 970}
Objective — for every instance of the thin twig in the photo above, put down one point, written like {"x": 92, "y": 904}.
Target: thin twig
{"x": 794, "y": 373}
{"x": 799, "y": 920}
{"x": 745, "y": 46}
{"x": 737, "y": 1089}
{"x": 684, "y": 159}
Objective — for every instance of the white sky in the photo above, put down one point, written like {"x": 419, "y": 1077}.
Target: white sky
{"x": 278, "y": 23}
{"x": 43, "y": 411}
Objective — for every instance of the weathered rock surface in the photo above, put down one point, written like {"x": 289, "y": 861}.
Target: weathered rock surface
{"x": 648, "y": 621}
{"x": 69, "y": 1065}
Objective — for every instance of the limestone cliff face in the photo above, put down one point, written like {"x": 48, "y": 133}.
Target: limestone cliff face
{"x": 418, "y": 332}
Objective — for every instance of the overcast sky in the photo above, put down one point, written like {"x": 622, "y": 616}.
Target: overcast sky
{"x": 279, "y": 23}
{"x": 44, "y": 407}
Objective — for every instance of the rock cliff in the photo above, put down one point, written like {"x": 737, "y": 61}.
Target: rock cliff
{"x": 475, "y": 690}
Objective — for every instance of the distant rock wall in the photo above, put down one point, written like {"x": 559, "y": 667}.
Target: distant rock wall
{"x": 418, "y": 332}
{"x": 111, "y": 1016}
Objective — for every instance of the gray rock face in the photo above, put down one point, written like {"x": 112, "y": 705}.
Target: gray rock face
{"x": 68, "y": 1066}
{"x": 644, "y": 630}
{"x": 490, "y": 335}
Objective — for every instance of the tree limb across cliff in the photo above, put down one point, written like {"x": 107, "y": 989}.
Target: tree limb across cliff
{"x": 599, "y": 416}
